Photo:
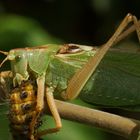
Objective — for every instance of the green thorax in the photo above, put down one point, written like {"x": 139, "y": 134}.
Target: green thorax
{"x": 34, "y": 59}
{"x": 63, "y": 66}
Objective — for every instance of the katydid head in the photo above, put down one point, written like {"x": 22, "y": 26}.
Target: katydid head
{"x": 12, "y": 55}
{"x": 18, "y": 60}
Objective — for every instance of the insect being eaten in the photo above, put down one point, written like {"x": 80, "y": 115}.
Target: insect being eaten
{"x": 57, "y": 71}
{"x": 22, "y": 109}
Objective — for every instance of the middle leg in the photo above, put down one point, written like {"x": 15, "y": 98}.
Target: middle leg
{"x": 54, "y": 111}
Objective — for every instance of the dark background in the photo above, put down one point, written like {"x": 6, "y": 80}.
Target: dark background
{"x": 79, "y": 21}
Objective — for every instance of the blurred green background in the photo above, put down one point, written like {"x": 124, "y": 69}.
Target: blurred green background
{"x": 32, "y": 23}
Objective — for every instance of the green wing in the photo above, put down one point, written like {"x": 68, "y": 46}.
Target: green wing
{"x": 116, "y": 82}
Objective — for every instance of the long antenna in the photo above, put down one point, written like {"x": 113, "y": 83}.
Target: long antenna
{"x": 5, "y": 53}
{"x": 3, "y": 61}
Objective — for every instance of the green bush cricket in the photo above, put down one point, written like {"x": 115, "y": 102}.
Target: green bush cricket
{"x": 59, "y": 70}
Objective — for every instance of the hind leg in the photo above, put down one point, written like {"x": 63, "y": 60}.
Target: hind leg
{"x": 77, "y": 82}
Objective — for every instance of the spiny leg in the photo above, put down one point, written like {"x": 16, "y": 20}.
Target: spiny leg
{"x": 78, "y": 81}
{"x": 6, "y": 82}
{"x": 54, "y": 111}
{"x": 39, "y": 106}
{"x": 5, "y": 75}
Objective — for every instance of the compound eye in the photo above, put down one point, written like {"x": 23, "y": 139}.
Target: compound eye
{"x": 18, "y": 58}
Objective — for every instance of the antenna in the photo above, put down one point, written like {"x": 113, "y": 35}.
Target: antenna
{"x": 5, "y": 53}
{"x": 3, "y": 61}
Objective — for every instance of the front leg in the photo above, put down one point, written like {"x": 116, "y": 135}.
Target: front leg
{"x": 39, "y": 106}
{"x": 6, "y": 82}
{"x": 5, "y": 75}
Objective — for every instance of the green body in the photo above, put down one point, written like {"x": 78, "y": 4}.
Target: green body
{"x": 114, "y": 84}
{"x": 57, "y": 64}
